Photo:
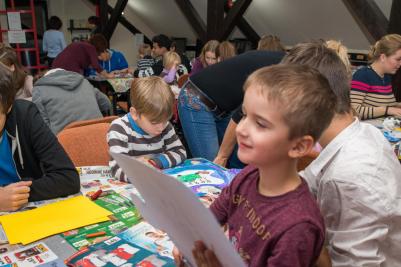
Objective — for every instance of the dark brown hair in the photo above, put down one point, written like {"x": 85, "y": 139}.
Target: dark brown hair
{"x": 99, "y": 42}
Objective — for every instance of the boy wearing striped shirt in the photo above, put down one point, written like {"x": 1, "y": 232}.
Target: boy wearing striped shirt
{"x": 145, "y": 131}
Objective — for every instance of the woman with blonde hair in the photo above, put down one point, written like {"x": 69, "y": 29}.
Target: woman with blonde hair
{"x": 207, "y": 56}
{"x": 371, "y": 90}
{"x": 270, "y": 43}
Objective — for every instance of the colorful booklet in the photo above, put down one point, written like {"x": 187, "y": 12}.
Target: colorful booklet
{"x": 117, "y": 252}
{"x": 146, "y": 236}
{"x": 124, "y": 215}
{"x": 33, "y": 255}
{"x": 205, "y": 178}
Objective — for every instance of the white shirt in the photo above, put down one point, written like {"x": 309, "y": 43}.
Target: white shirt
{"x": 357, "y": 182}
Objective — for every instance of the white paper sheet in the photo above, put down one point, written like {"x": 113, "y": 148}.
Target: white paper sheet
{"x": 16, "y": 37}
{"x": 14, "y": 20}
{"x": 172, "y": 207}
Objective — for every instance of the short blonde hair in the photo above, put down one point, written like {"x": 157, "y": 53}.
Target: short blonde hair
{"x": 152, "y": 97}
{"x": 169, "y": 58}
{"x": 210, "y": 46}
{"x": 342, "y": 52}
{"x": 387, "y": 45}
{"x": 270, "y": 43}
{"x": 303, "y": 94}
{"x": 145, "y": 49}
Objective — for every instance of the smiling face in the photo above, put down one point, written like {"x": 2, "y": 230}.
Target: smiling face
{"x": 391, "y": 63}
{"x": 262, "y": 134}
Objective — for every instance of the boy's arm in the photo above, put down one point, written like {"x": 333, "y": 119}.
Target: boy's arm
{"x": 60, "y": 178}
{"x": 227, "y": 145}
{"x": 299, "y": 246}
{"x": 175, "y": 152}
{"x": 117, "y": 140}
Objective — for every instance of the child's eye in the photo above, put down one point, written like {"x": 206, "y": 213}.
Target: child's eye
{"x": 260, "y": 124}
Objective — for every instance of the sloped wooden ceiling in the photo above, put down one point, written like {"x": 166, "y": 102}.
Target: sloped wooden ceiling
{"x": 292, "y": 20}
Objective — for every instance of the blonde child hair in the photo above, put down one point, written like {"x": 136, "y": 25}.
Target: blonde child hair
{"x": 144, "y": 50}
{"x": 170, "y": 59}
{"x": 342, "y": 52}
{"x": 270, "y": 43}
{"x": 387, "y": 45}
{"x": 8, "y": 57}
{"x": 152, "y": 97}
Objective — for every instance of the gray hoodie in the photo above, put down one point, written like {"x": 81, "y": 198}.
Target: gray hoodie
{"x": 63, "y": 97}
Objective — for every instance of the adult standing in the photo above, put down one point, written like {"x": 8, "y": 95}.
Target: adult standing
{"x": 80, "y": 55}
{"x": 213, "y": 96}
{"x": 53, "y": 39}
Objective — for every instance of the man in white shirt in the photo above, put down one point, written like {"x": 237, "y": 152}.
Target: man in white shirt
{"x": 356, "y": 178}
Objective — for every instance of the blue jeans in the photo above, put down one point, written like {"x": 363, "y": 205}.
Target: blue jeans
{"x": 203, "y": 130}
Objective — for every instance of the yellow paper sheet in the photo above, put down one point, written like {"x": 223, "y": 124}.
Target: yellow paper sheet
{"x": 29, "y": 226}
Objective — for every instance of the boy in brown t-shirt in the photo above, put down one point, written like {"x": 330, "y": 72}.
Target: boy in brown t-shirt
{"x": 272, "y": 218}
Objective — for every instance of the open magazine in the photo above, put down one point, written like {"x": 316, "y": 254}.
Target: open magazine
{"x": 117, "y": 252}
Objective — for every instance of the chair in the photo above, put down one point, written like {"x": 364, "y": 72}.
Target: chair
{"x": 307, "y": 159}
{"x": 74, "y": 124}
{"x": 183, "y": 78}
{"x": 86, "y": 145}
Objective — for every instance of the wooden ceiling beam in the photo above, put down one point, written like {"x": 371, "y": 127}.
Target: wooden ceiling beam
{"x": 104, "y": 15}
{"x": 369, "y": 17}
{"x": 233, "y": 18}
{"x": 215, "y": 17}
{"x": 248, "y": 31}
{"x": 193, "y": 18}
{"x": 114, "y": 18}
{"x": 128, "y": 25}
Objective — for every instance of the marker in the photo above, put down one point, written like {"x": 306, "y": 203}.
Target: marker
{"x": 96, "y": 194}
{"x": 102, "y": 233}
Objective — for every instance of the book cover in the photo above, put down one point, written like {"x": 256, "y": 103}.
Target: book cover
{"x": 117, "y": 252}
{"x": 205, "y": 178}
{"x": 33, "y": 255}
{"x": 145, "y": 235}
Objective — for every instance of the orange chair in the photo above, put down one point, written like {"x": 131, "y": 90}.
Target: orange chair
{"x": 86, "y": 145}
{"x": 306, "y": 160}
{"x": 74, "y": 124}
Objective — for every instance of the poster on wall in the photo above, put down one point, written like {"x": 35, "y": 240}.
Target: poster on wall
{"x": 14, "y": 20}
{"x": 16, "y": 37}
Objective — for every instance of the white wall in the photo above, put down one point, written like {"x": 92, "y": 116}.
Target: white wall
{"x": 122, "y": 39}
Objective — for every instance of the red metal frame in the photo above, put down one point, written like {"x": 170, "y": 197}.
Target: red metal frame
{"x": 33, "y": 30}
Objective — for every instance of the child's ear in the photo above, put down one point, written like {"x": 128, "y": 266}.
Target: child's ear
{"x": 134, "y": 113}
{"x": 301, "y": 146}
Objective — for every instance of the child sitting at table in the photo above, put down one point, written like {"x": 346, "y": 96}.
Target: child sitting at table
{"x": 145, "y": 131}
{"x": 33, "y": 165}
{"x": 145, "y": 60}
{"x": 272, "y": 218}
{"x": 171, "y": 61}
